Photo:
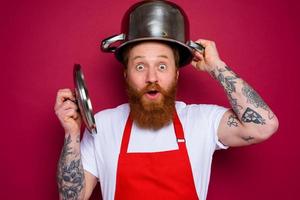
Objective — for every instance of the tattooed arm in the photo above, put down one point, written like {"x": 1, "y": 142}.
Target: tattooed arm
{"x": 73, "y": 182}
{"x": 250, "y": 120}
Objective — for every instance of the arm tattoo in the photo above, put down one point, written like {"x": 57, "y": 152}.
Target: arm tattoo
{"x": 254, "y": 99}
{"x": 227, "y": 81}
{"x": 247, "y": 139}
{"x": 235, "y": 106}
{"x": 252, "y": 116}
{"x": 214, "y": 75}
{"x": 232, "y": 121}
{"x": 70, "y": 175}
{"x": 230, "y": 70}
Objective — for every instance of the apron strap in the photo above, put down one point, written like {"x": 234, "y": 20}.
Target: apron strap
{"x": 178, "y": 128}
{"x": 126, "y": 135}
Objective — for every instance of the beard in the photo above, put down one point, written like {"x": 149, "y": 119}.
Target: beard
{"x": 152, "y": 114}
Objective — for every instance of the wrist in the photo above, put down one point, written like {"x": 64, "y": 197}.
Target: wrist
{"x": 219, "y": 64}
{"x": 72, "y": 134}
{"x": 216, "y": 67}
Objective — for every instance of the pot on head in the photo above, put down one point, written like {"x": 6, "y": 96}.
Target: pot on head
{"x": 154, "y": 21}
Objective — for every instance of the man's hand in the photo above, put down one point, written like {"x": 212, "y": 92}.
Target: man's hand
{"x": 66, "y": 111}
{"x": 209, "y": 60}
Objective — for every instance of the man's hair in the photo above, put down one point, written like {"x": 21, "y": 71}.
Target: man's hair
{"x": 125, "y": 53}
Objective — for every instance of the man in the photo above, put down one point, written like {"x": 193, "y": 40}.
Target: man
{"x": 151, "y": 75}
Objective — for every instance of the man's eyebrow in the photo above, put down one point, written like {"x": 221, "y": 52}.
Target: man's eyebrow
{"x": 163, "y": 56}
{"x": 160, "y": 56}
{"x": 136, "y": 57}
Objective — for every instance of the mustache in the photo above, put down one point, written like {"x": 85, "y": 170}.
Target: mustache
{"x": 151, "y": 87}
{"x": 136, "y": 95}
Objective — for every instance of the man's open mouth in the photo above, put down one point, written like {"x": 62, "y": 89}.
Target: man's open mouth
{"x": 152, "y": 92}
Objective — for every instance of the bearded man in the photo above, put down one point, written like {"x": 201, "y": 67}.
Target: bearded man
{"x": 155, "y": 147}
{"x": 141, "y": 151}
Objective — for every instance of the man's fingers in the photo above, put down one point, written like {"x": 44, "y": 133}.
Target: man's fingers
{"x": 67, "y": 115}
{"x": 194, "y": 63}
{"x": 197, "y": 56}
{"x": 63, "y": 95}
{"x": 68, "y": 104}
{"x": 197, "y": 65}
{"x": 66, "y": 108}
{"x": 71, "y": 114}
{"x": 206, "y": 43}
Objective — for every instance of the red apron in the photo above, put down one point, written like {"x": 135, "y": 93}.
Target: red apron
{"x": 158, "y": 175}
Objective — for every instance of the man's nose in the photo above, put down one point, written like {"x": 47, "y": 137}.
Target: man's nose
{"x": 151, "y": 76}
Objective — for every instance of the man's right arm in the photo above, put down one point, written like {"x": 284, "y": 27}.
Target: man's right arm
{"x": 73, "y": 181}
{"x": 70, "y": 174}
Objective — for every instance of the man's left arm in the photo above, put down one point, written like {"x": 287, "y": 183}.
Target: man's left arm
{"x": 250, "y": 120}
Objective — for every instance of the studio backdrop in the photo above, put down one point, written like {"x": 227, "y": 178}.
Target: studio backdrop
{"x": 41, "y": 41}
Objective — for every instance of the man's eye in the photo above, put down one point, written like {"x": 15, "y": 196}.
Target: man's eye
{"x": 140, "y": 67}
{"x": 162, "y": 67}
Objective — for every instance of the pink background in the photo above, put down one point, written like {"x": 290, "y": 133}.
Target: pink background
{"x": 41, "y": 40}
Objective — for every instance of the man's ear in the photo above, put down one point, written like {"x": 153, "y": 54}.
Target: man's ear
{"x": 177, "y": 74}
{"x": 125, "y": 74}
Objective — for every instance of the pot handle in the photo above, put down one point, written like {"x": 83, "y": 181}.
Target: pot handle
{"x": 106, "y": 43}
{"x": 195, "y": 46}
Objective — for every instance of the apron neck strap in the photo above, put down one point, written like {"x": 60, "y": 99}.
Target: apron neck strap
{"x": 177, "y": 128}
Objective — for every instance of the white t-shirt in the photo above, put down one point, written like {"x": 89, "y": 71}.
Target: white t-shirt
{"x": 100, "y": 152}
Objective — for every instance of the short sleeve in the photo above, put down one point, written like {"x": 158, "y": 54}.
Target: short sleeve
{"x": 216, "y": 119}
{"x": 88, "y": 154}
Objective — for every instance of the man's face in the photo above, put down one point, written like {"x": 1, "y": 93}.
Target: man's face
{"x": 149, "y": 63}
{"x": 151, "y": 77}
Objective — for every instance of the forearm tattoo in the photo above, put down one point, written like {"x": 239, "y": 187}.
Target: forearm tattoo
{"x": 70, "y": 175}
{"x": 229, "y": 80}
{"x": 252, "y": 116}
{"x": 254, "y": 99}
{"x": 229, "y": 85}
{"x": 232, "y": 121}
{"x": 234, "y": 104}
{"x": 248, "y": 139}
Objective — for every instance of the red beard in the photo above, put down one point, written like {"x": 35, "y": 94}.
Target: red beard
{"x": 152, "y": 114}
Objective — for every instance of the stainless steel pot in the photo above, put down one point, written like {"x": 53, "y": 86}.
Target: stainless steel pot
{"x": 154, "y": 20}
